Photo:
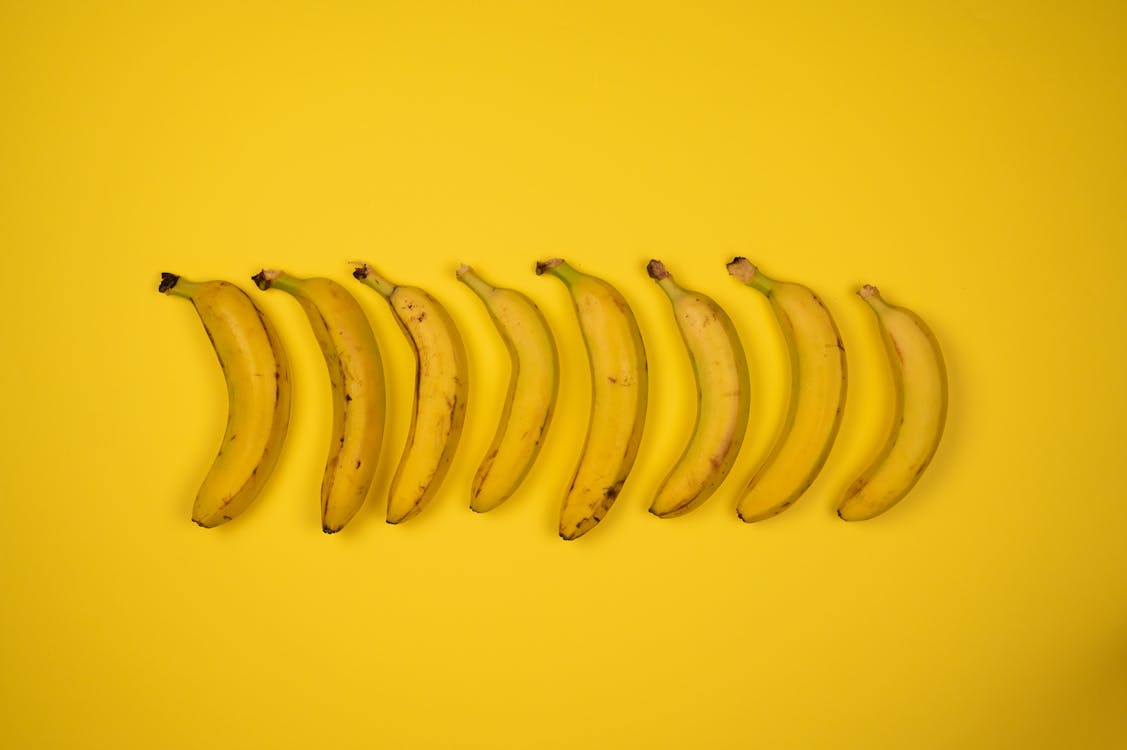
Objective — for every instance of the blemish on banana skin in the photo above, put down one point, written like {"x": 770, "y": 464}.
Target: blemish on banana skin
{"x": 599, "y": 510}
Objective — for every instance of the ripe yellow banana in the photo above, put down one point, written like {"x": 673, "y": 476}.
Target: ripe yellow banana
{"x": 817, "y": 395}
{"x": 356, "y": 375}
{"x": 531, "y": 398}
{"x": 441, "y": 383}
{"x": 258, "y": 395}
{"x": 619, "y": 385}
{"x": 723, "y": 398}
{"x": 920, "y": 411}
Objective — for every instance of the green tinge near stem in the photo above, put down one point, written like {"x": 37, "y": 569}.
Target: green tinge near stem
{"x": 746, "y": 272}
{"x": 762, "y": 283}
{"x": 275, "y": 279}
{"x": 368, "y": 276}
{"x": 559, "y": 268}
{"x": 184, "y": 288}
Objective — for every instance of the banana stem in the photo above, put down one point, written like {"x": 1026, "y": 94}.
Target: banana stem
{"x": 871, "y": 295}
{"x": 661, "y": 275}
{"x": 269, "y": 278}
{"x": 744, "y": 270}
{"x": 469, "y": 277}
{"x": 367, "y": 275}
{"x": 177, "y": 286}
{"x": 559, "y": 268}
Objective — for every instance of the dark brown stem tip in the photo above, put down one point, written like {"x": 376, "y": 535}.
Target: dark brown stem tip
{"x": 742, "y": 268}
{"x": 868, "y": 291}
{"x": 265, "y": 278}
{"x": 656, "y": 270}
{"x": 167, "y": 281}
{"x": 544, "y": 266}
{"x": 360, "y": 272}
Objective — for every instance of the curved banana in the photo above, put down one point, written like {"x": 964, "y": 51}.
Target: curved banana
{"x": 920, "y": 381}
{"x": 531, "y": 398}
{"x": 723, "y": 398}
{"x": 258, "y": 395}
{"x": 817, "y": 395}
{"x": 619, "y": 384}
{"x": 356, "y": 375}
{"x": 441, "y": 382}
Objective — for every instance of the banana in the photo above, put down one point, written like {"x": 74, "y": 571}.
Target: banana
{"x": 531, "y": 398}
{"x": 356, "y": 375}
{"x": 441, "y": 383}
{"x": 619, "y": 384}
{"x": 723, "y": 398}
{"x": 258, "y": 395}
{"x": 817, "y": 395}
{"x": 920, "y": 411}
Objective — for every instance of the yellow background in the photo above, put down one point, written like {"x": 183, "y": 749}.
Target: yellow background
{"x": 968, "y": 157}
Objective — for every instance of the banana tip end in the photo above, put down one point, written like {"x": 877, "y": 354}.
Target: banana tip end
{"x": 264, "y": 278}
{"x": 167, "y": 281}
{"x": 544, "y": 266}
{"x": 742, "y": 268}
{"x": 868, "y": 291}
{"x": 657, "y": 270}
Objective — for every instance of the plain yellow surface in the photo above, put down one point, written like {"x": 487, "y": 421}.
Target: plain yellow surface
{"x": 969, "y": 158}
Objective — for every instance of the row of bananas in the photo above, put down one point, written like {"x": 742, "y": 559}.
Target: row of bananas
{"x": 258, "y": 383}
